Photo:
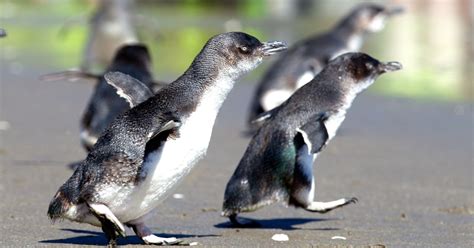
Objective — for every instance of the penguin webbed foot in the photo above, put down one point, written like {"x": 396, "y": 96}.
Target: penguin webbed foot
{"x": 324, "y": 207}
{"x": 243, "y": 223}
{"x": 145, "y": 234}
{"x": 155, "y": 240}
{"x": 110, "y": 232}
{"x": 112, "y": 243}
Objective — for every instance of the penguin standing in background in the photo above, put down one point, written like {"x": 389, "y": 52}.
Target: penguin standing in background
{"x": 277, "y": 165}
{"x": 147, "y": 150}
{"x": 305, "y": 59}
{"x": 110, "y": 28}
{"x": 3, "y": 33}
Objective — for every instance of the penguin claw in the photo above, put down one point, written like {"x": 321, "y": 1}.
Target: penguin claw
{"x": 351, "y": 200}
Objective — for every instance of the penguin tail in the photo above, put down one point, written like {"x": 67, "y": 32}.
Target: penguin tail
{"x": 58, "y": 206}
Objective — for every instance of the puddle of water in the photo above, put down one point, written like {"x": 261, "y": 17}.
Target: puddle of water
{"x": 436, "y": 52}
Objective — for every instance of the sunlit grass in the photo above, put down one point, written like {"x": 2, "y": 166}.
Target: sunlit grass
{"x": 423, "y": 83}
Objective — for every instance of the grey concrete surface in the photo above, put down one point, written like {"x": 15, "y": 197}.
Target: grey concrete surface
{"x": 410, "y": 163}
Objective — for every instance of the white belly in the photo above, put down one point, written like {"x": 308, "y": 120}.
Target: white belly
{"x": 274, "y": 98}
{"x": 333, "y": 122}
{"x": 166, "y": 167}
{"x": 305, "y": 78}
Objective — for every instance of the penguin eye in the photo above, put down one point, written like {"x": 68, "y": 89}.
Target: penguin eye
{"x": 369, "y": 66}
{"x": 244, "y": 49}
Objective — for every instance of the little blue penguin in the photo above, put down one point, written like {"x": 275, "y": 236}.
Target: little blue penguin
{"x": 3, "y": 33}
{"x": 147, "y": 150}
{"x": 277, "y": 165}
{"x": 306, "y": 58}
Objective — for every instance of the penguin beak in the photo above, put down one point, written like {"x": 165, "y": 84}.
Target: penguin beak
{"x": 272, "y": 47}
{"x": 390, "y": 66}
{"x": 395, "y": 10}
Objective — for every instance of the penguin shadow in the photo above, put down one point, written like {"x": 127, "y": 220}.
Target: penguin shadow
{"x": 98, "y": 238}
{"x": 281, "y": 223}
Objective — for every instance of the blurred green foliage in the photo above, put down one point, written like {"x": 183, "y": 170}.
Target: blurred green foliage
{"x": 52, "y": 34}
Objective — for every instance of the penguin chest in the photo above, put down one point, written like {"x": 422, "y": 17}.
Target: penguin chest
{"x": 165, "y": 167}
{"x": 177, "y": 156}
{"x": 333, "y": 122}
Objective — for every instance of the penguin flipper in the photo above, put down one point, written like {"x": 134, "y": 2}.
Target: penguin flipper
{"x": 129, "y": 88}
{"x": 111, "y": 226}
{"x": 72, "y": 74}
{"x": 314, "y": 133}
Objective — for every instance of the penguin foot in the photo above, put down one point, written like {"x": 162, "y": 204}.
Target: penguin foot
{"x": 155, "y": 240}
{"x": 243, "y": 223}
{"x": 324, "y": 207}
{"x": 148, "y": 237}
{"x": 112, "y": 243}
{"x": 350, "y": 200}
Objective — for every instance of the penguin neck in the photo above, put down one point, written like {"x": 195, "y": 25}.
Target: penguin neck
{"x": 354, "y": 91}
{"x": 352, "y": 35}
{"x": 209, "y": 85}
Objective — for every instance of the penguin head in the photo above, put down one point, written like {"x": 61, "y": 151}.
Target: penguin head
{"x": 372, "y": 17}
{"x": 237, "y": 52}
{"x": 133, "y": 54}
{"x": 360, "y": 69}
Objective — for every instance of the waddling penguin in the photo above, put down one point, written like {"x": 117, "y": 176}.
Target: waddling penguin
{"x": 147, "y": 150}
{"x": 305, "y": 59}
{"x": 277, "y": 165}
